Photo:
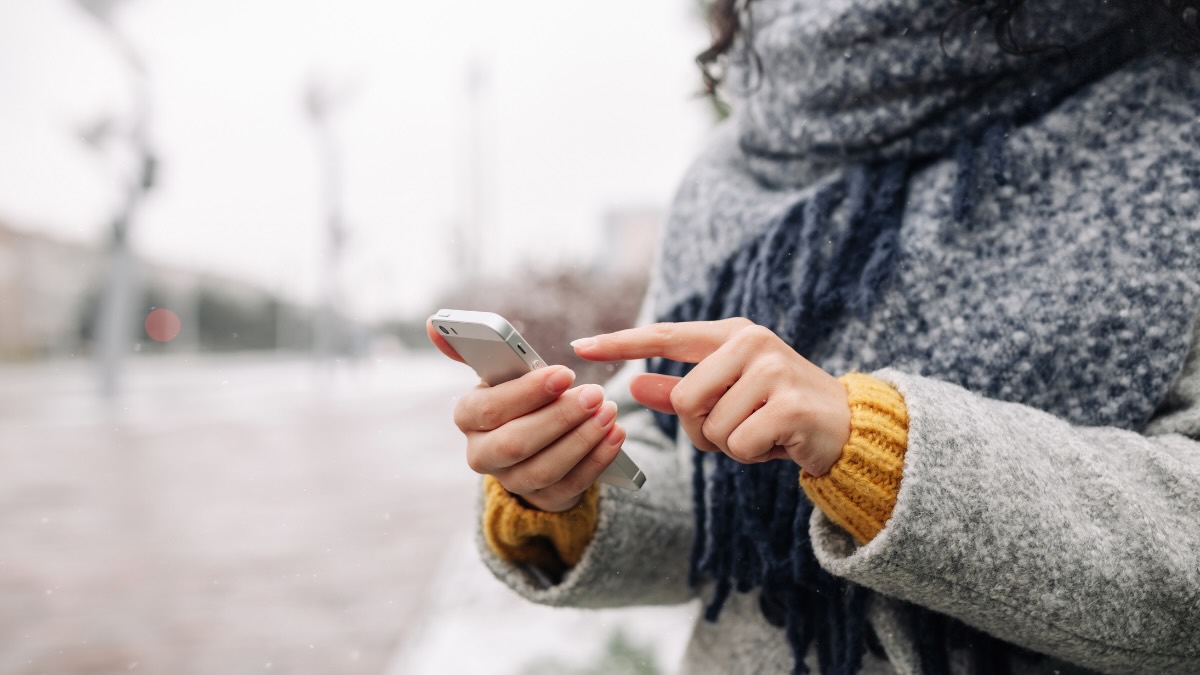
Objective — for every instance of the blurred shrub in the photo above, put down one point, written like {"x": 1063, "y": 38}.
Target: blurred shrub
{"x": 224, "y": 323}
{"x": 621, "y": 656}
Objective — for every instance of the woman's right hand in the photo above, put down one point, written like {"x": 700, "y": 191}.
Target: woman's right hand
{"x": 542, "y": 440}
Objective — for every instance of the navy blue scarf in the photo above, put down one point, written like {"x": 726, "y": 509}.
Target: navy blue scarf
{"x": 752, "y": 520}
{"x": 861, "y": 92}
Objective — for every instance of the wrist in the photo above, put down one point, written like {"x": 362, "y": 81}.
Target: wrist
{"x": 549, "y": 506}
{"x": 833, "y": 432}
{"x": 860, "y": 491}
{"x": 550, "y": 541}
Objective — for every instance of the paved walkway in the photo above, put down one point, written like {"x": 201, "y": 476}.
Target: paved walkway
{"x": 230, "y": 515}
{"x": 241, "y": 515}
{"x": 477, "y": 625}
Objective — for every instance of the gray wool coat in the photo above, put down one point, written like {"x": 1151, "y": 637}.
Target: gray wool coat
{"x": 1047, "y": 350}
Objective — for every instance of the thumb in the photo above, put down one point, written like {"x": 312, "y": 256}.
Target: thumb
{"x": 654, "y": 391}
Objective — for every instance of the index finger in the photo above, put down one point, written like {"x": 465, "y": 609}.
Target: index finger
{"x": 689, "y": 342}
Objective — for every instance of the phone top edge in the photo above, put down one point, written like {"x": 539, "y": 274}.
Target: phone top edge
{"x": 465, "y": 316}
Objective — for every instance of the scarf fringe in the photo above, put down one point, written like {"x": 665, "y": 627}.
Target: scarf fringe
{"x": 752, "y": 520}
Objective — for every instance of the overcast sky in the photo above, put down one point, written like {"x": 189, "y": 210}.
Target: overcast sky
{"x": 588, "y": 106}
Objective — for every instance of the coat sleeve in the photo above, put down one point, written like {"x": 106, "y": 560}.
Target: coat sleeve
{"x": 639, "y": 553}
{"x": 1079, "y": 543}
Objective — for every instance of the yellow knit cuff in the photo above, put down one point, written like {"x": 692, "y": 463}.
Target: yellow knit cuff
{"x": 553, "y": 542}
{"x": 859, "y": 492}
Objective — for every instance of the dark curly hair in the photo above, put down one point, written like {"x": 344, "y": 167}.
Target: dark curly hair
{"x": 728, "y": 18}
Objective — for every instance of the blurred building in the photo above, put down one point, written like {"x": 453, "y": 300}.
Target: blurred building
{"x": 43, "y": 283}
{"x": 50, "y": 290}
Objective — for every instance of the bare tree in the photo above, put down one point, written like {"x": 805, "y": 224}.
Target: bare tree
{"x": 136, "y": 176}
{"x": 331, "y": 328}
{"x": 468, "y": 242}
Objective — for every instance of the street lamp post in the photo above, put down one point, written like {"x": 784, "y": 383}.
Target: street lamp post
{"x": 115, "y": 317}
{"x": 321, "y": 101}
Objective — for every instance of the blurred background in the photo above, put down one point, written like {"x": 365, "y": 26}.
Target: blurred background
{"x": 225, "y": 444}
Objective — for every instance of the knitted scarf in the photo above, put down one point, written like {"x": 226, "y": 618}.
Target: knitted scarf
{"x": 797, "y": 226}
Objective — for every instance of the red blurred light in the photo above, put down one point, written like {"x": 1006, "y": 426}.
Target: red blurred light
{"x": 162, "y": 325}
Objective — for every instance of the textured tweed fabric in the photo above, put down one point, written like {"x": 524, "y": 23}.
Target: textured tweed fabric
{"x": 1041, "y": 337}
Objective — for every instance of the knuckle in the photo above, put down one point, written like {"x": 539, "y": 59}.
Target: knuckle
{"x": 741, "y": 322}
{"x": 662, "y": 333}
{"x": 463, "y": 414}
{"x": 578, "y": 437}
{"x": 681, "y": 398}
{"x": 594, "y": 464}
{"x": 566, "y": 414}
{"x": 572, "y": 485}
{"x": 600, "y": 457}
{"x": 489, "y": 416}
{"x": 740, "y": 449}
{"x": 506, "y": 481}
{"x": 534, "y": 386}
{"x": 543, "y": 495}
{"x": 801, "y": 448}
{"x": 475, "y": 462}
{"x": 772, "y": 368}
{"x": 584, "y": 436}
{"x": 698, "y": 439}
{"x": 710, "y": 430}
{"x": 536, "y": 478}
{"x": 800, "y": 419}
{"x": 755, "y": 335}
{"x": 508, "y": 450}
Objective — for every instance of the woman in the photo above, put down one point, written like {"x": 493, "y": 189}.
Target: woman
{"x": 986, "y": 216}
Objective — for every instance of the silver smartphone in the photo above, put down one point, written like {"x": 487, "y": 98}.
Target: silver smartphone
{"x": 498, "y": 353}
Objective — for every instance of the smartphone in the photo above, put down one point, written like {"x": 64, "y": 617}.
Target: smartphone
{"x": 498, "y": 353}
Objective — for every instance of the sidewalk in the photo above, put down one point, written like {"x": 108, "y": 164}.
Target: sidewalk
{"x": 230, "y": 515}
{"x": 244, "y": 514}
{"x": 476, "y": 625}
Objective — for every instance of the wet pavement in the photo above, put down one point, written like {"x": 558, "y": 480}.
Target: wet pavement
{"x": 228, "y": 515}
{"x": 242, "y": 514}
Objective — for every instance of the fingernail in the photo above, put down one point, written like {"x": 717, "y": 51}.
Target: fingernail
{"x": 584, "y": 343}
{"x": 606, "y": 414}
{"x": 614, "y": 436}
{"x": 591, "y": 396}
{"x": 559, "y": 381}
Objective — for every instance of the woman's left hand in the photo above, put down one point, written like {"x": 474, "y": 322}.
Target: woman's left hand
{"x": 750, "y": 396}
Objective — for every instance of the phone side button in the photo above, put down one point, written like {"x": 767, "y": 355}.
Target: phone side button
{"x": 537, "y": 363}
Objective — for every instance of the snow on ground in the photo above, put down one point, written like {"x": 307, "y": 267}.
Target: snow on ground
{"x": 477, "y": 625}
